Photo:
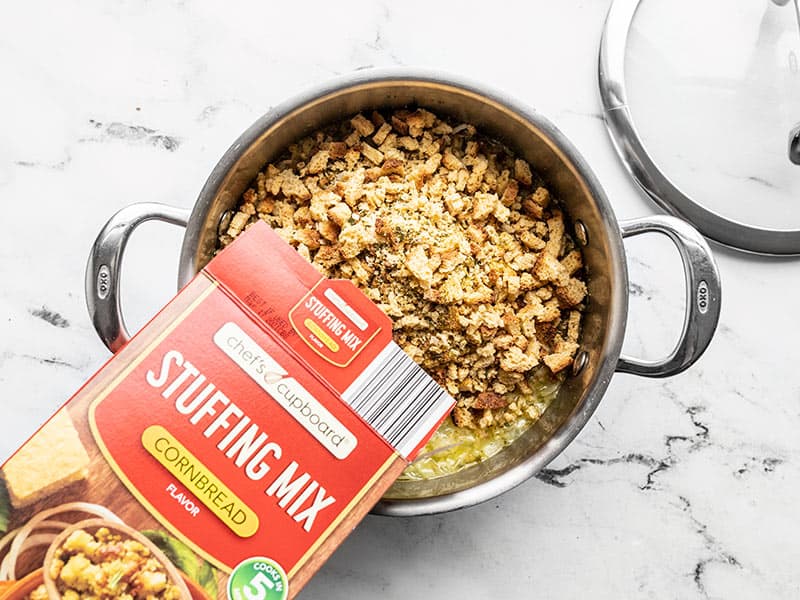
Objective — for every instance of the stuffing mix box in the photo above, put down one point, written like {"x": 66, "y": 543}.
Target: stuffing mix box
{"x": 227, "y": 449}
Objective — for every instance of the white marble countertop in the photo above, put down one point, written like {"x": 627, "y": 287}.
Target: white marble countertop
{"x": 686, "y": 487}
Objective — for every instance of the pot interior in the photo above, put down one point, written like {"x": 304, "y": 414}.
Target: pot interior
{"x": 566, "y": 176}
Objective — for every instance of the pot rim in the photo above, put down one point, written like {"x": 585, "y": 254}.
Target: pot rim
{"x": 618, "y": 306}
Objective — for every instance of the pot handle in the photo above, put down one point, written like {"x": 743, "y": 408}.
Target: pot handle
{"x": 703, "y": 296}
{"x": 105, "y": 259}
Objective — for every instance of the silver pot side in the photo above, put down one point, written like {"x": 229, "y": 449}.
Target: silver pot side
{"x": 568, "y": 177}
{"x": 565, "y": 172}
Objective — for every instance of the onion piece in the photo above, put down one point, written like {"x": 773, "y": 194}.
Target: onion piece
{"x": 40, "y": 539}
{"x": 6, "y": 539}
{"x": 35, "y": 541}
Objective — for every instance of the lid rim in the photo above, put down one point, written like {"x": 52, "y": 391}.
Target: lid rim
{"x": 640, "y": 165}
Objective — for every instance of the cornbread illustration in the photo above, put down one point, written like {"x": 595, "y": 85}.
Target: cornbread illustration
{"x": 52, "y": 459}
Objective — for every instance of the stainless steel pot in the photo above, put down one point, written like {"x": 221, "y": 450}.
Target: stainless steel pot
{"x": 567, "y": 175}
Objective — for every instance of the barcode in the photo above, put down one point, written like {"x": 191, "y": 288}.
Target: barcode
{"x": 398, "y": 399}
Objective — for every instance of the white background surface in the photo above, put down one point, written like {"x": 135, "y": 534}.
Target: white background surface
{"x": 680, "y": 488}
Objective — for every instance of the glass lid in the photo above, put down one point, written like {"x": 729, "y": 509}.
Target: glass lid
{"x": 702, "y": 100}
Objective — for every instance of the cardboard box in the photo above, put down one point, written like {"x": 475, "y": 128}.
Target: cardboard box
{"x": 243, "y": 432}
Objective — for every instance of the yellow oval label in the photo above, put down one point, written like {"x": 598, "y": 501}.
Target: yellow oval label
{"x": 323, "y": 337}
{"x": 200, "y": 481}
